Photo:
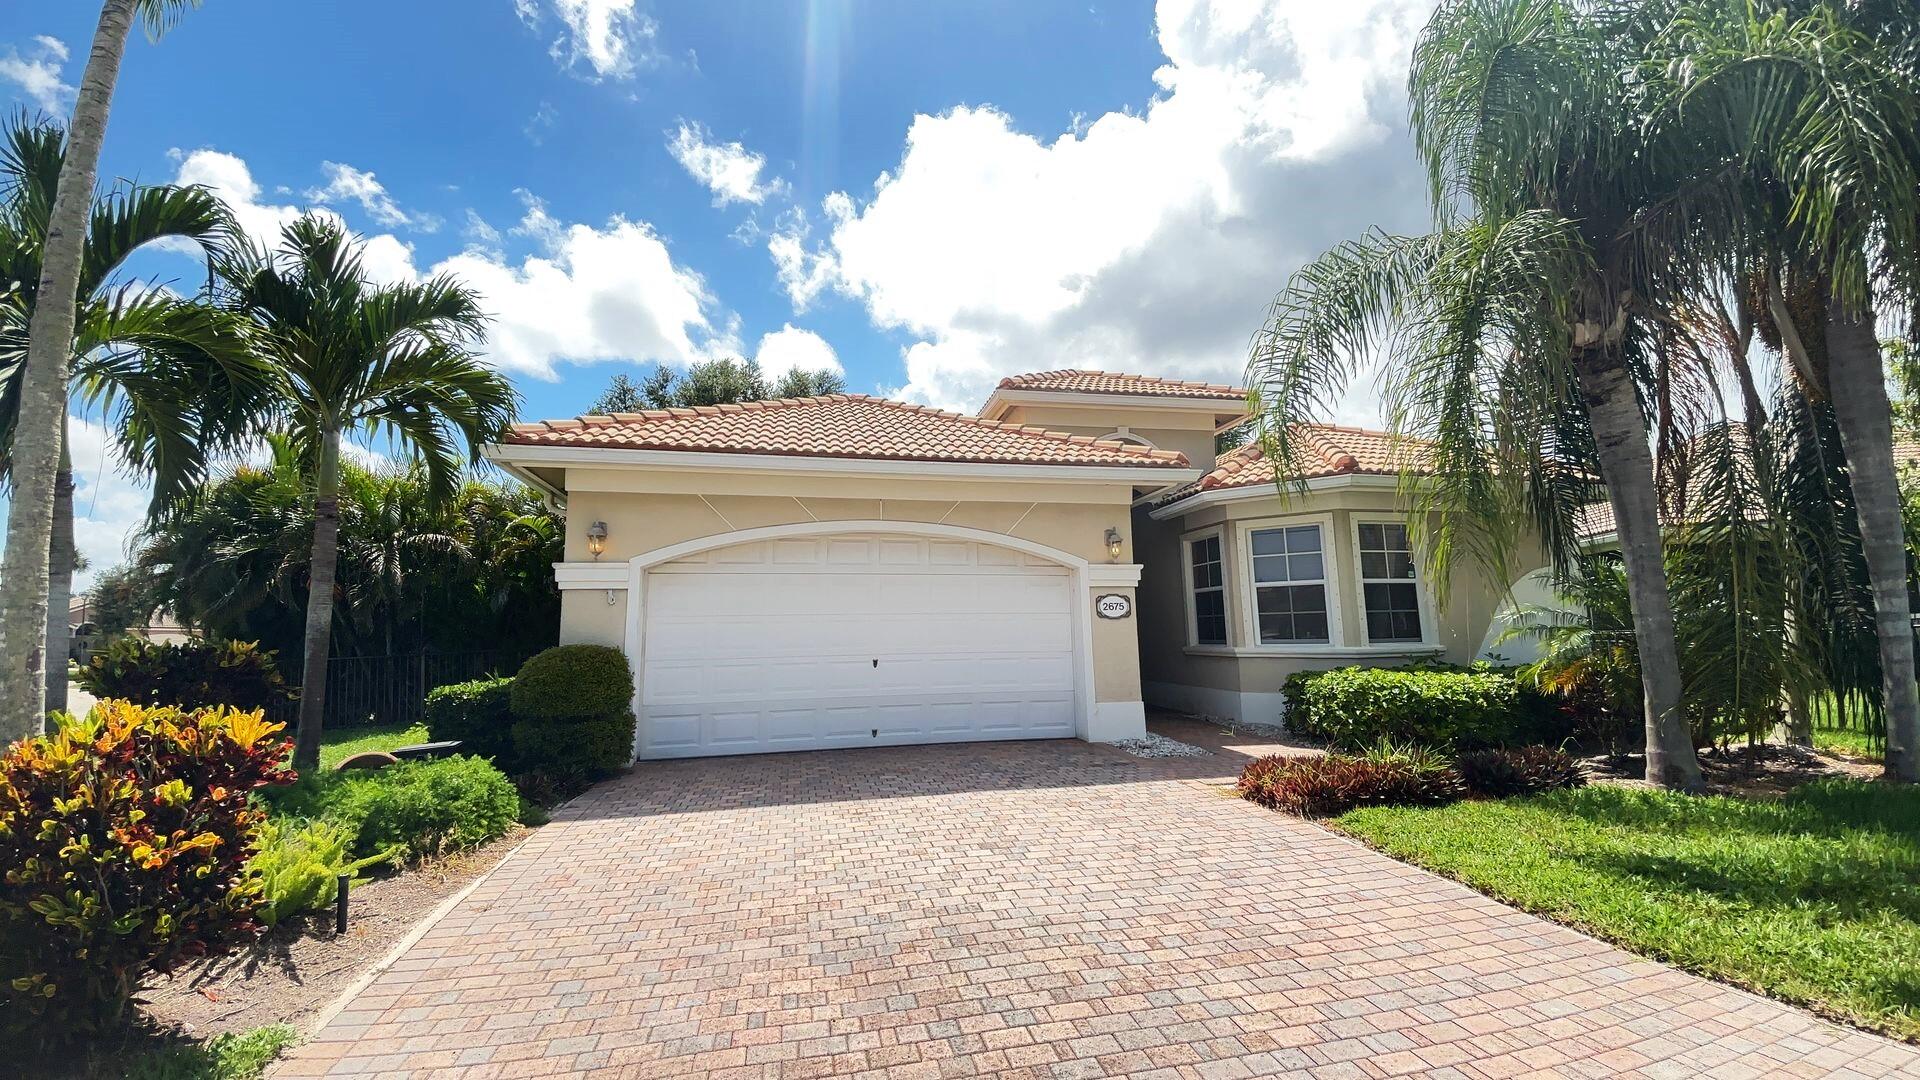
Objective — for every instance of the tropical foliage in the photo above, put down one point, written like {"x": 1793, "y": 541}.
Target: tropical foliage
{"x": 413, "y": 573}
{"x": 190, "y": 674}
{"x": 722, "y": 381}
{"x": 124, "y": 838}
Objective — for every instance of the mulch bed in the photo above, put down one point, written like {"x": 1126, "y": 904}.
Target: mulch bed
{"x": 1758, "y": 772}
{"x": 301, "y": 966}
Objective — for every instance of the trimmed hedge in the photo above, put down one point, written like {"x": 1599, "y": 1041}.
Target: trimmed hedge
{"x": 572, "y": 714}
{"x": 1430, "y": 706}
{"x": 573, "y": 681}
{"x": 190, "y": 674}
{"x": 476, "y": 713}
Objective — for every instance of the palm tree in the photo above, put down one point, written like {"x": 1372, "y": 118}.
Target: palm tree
{"x": 1525, "y": 322}
{"x": 157, "y": 364}
{"x": 1817, "y": 105}
{"x": 43, "y": 390}
{"x": 351, "y": 357}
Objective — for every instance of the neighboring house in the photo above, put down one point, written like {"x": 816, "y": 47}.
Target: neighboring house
{"x": 162, "y": 625}
{"x": 849, "y": 571}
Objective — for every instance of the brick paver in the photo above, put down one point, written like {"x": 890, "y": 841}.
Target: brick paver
{"x": 1033, "y": 910}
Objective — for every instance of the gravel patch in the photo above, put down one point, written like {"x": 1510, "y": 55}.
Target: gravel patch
{"x": 1269, "y": 731}
{"x": 1159, "y": 746}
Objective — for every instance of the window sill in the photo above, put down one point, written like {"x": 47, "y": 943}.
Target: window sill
{"x": 1334, "y": 652}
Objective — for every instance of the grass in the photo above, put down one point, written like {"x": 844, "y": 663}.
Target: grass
{"x": 1813, "y": 898}
{"x": 339, "y": 745}
{"x": 1846, "y": 742}
{"x": 242, "y": 1056}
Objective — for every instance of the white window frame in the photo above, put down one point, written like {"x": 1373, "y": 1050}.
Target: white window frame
{"x": 1429, "y": 628}
{"x": 1187, "y": 540}
{"x": 1249, "y": 598}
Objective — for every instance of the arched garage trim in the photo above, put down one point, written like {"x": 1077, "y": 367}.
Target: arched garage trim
{"x": 638, "y": 566}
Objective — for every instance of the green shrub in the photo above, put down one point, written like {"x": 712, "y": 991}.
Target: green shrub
{"x": 572, "y": 712}
{"x": 124, "y": 839}
{"x": 570, "y": 681}
{"x": 421, "y": 807}
{"x": 191, "y": 674}
{"x": 1358, "y": 706}
{"x": 1333, "y": 784}
{"x": 476, "y": 714}
{"x": 300, "y": 863}
{"x": 1498, "y": 774}
{"x": 585, "y": 746}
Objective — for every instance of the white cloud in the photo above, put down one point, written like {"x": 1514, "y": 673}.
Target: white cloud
{"x": 730, "y": 170}
{"x": 610, "y": 37}
{"x": 37, "y": 73}
{"x": 793, "y": 349}
{"x": 347, "y": 182}
{"x": 592, "y": 294}
{"x": 1147, "y": 240}
{"x": 109, "y": 504}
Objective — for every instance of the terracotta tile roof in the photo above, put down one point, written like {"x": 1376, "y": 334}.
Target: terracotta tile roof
{"x": 1326, "y": 450}
{"x": 1103, "y": 382}
{"x": 839, "y": 426}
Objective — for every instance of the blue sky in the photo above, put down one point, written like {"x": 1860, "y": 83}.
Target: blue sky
{"x": 928, "y": 196}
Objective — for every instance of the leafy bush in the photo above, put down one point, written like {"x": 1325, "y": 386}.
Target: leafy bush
{"x": 572, "y": 711}
{"x": 1357, "y": 706}
{"x": 190, "y": 674}
{"x": 300, "y": 863}
{"x": 573, "y": 681}
{"x": 420, "y": 807}
{"x": 584, "y": 746}
{"x": 124, "y": 839}
{"x": 1333, "y": 784}
{"x": 475, "y": 713}
{"x": 1525, "y": 770}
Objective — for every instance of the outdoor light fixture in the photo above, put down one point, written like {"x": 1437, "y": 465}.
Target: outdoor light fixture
{"x": 597, "y": 538}
{"x": 1113, "y": 545}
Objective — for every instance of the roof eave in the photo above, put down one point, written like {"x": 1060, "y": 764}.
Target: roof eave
{"x": 1215, "y": 496}
{"x": 1005, "y": 398}
{"x": 510, "y": 454}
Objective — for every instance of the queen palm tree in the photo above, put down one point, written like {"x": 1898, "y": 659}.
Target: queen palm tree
{"x": 1817, "y": 105}
{"x": 1525, "y": 322}
{"x": 157, "y": 365}
{"x": 43, "y": 389}
{"x": 352, "y": 357}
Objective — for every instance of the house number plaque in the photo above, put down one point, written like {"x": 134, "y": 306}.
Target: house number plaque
{"x": 1112, "y": 606}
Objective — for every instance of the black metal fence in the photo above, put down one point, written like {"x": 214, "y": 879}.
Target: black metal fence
{"x": 365, "y": 690}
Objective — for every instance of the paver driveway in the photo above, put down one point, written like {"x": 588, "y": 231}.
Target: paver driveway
{"x": 1035, "y": 909}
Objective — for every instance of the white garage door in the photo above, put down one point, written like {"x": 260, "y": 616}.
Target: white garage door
{"x": 833, "y": 641}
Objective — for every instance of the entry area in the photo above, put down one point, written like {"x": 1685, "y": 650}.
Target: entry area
{"x": 830, "y": 641}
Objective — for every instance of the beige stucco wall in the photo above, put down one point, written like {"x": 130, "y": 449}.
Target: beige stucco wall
{"x": 646, "y": 510}
{"x": 1255, "y": 673}
{"x": 1187, "y": 431}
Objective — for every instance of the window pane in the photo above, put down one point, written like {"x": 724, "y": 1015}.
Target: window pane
{"x": 1270, "y": 568}
{"x": 1206, "y": 575}
{"x": 1303, "y": 538}
{"x": 1393, "y": 537}
{"x": 1373, "y": 564}
{"x": 1393, "y": 612}
{"x": 1399, "y": 565}
{"x": 1370, "y": 539}
{"x": 1210, "y": 617}
{"x": 1304, "y": 567}
{"x": 1269, "y": 541}
{"x": 1292, "y": 613}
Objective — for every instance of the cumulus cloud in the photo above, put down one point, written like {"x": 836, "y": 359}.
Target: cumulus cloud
{"x": 609, "y": 38}
{"x": 792, "y": 349}
{"x": 729, "y": 170}
{"x": 1147, "y": 240}
{"x": 37, "y": 73}
{"x": 344, "y": 182}
{"x": 229, "y": 177}
{"x": 109, "y": 503}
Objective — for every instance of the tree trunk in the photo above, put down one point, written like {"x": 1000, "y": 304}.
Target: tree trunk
{"x": 60, "y": 579}
{"x": 1866, "y": 434}
{"x": 326, "y": 554}
{"x": 1626, "y": 465}
{"x": 43, "y": 389}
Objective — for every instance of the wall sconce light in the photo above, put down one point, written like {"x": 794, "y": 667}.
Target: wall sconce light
{"x": 597, "y": 538}
{"x": 1113, "y": 545}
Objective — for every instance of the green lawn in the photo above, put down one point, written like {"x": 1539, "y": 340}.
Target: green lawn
{"x": 337, "y": 746}
{"x": 1845, "y": 742}
{"x": 1814, "y": 898}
